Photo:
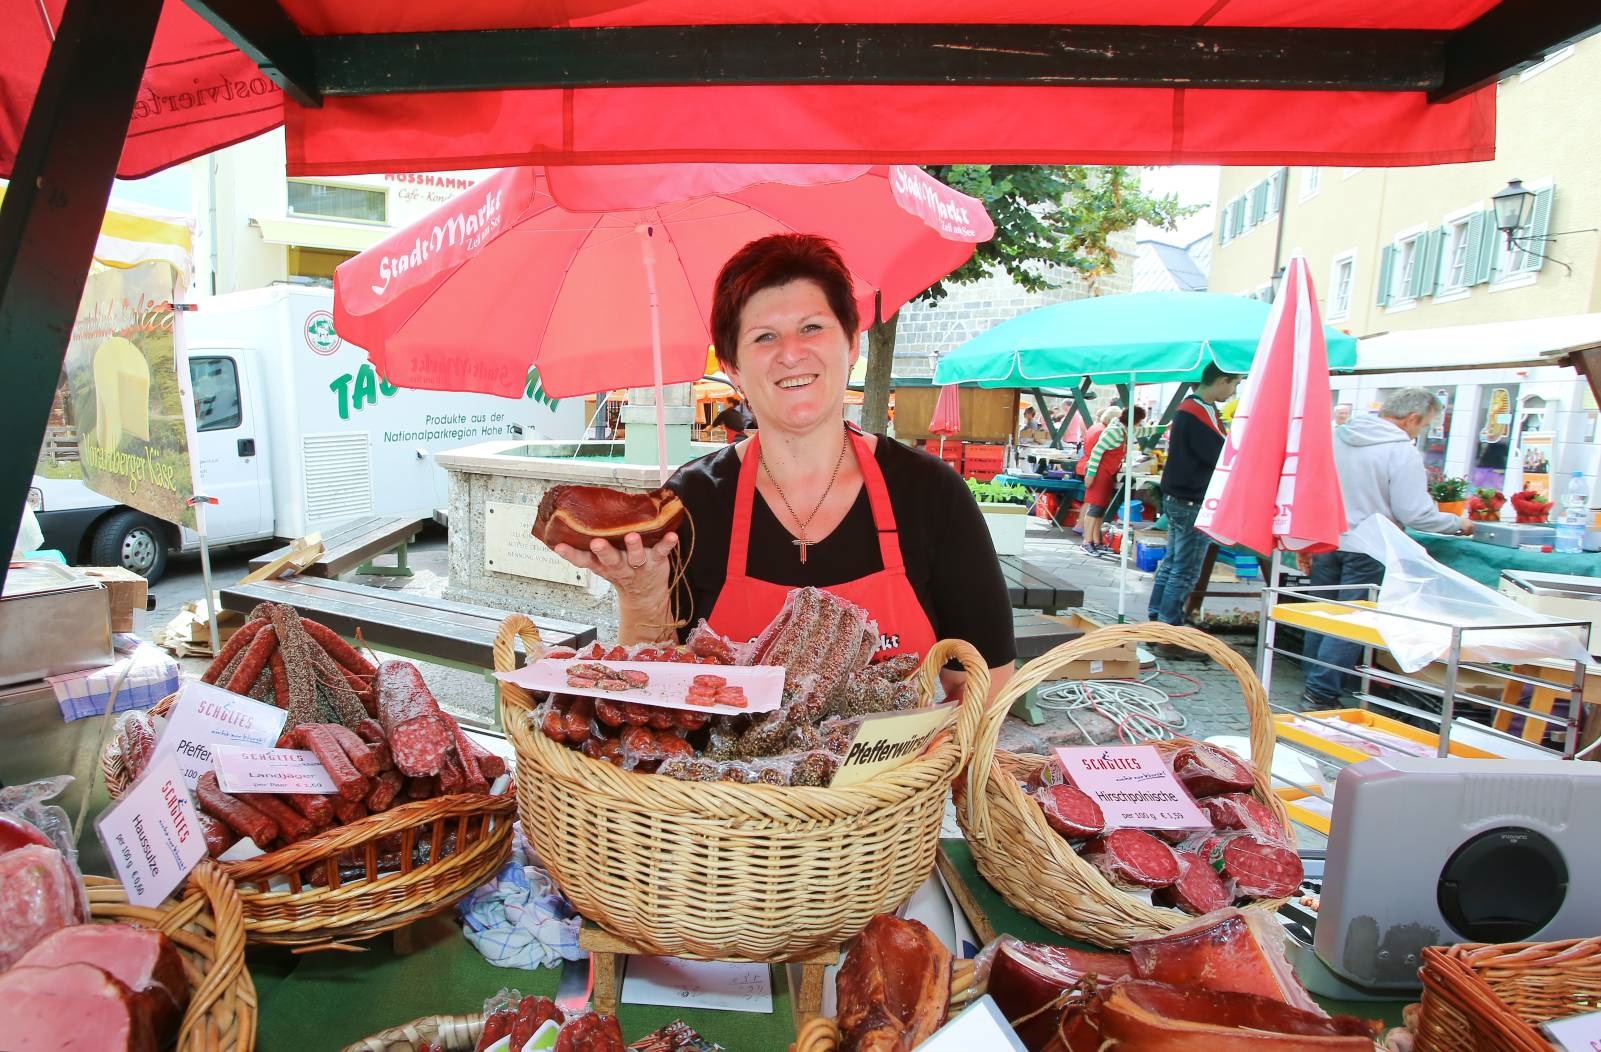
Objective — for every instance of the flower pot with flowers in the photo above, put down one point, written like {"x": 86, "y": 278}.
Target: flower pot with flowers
{"x": 1485, "y": 505}
{"x": 1530, "y": 506}
{"x": 1449, "y": 494}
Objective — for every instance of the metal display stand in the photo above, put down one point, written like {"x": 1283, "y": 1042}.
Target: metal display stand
{"x": 1567, "y": 728}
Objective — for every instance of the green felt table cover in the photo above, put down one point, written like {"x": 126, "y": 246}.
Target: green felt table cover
{"x": 1484, "y": 562}
{"x": 325, "y": 1001}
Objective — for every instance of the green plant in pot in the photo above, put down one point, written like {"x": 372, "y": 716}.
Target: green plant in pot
{"x": 1450, "y": 494}
{"x": 998, "y": 493}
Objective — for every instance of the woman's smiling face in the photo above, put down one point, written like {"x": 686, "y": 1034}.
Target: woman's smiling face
{"x": 794, "y": 358}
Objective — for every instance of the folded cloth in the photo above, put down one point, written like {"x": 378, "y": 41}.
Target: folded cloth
{"x": 520, "y": 919}
{"x": 152, "y": 675}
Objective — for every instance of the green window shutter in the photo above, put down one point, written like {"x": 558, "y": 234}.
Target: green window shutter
{"x": 1484, "y": 265}
{"x": 1225, "y": 232}
{"x": 1275, "y": 193}
{"x": 1258, "y": 203}
{"x": 1426, "y": 264}
{"x": 1386, "y": 264}
{"x": 1473, "y": 240}
{"x": 1240, "y": 204}
{"x": 1532, "y": 258}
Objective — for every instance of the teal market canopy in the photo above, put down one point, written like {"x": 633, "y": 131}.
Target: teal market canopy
{"x": 1154, "y": 337}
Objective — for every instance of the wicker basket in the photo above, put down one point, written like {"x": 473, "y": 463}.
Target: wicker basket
{"x": 822, "y": 1034}
{"x": 1485, "y": 998}
{"x": 209, "y": 932}
{"x": 1032, "y": 865}
{"x": 455, "y": 1033}
{"x": 334, "y": 914}
{"x": 723, "y": 871}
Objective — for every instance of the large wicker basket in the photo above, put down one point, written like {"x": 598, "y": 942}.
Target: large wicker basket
{"x": 468, "y": 836}
{"x": 722, "y": 871}
{"x": 1030, "y": 864}
{"x": 1487, "y": 998}
{"x": 209, "y": 932}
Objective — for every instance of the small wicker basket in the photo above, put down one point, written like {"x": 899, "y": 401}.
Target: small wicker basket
{"x": 724, "y": 871}
{"x": 823, "y": 1034}
{"x": 1492, "y": 998}
{"x": 208, "y": 929}
{"x": 454, "y": 1033}
{"x": 1028, "y": 862}
{"x": 468, "y": 836}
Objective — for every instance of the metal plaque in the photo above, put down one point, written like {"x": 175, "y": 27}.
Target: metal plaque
{"x": 510, "y": 547}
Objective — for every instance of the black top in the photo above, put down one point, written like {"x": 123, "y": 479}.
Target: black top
{"x": 735, "y": 418}
{"x": 1192, "y": 452}
{"x": 945, "y": 545}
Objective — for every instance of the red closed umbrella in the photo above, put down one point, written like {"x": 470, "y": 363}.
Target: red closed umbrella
{"x": 947, "y": 418}
{"x": 1275, "y": 485}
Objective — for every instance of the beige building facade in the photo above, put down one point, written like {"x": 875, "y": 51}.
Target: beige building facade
{"x": 1398, "y": 249}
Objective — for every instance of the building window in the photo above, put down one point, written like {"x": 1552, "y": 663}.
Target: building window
{"x": 1340, "y": 286}
{"x": 315, "y": 264}
{"x": 1225, "y": 226}
{"x": 1402, "y": 276}
{"x": 1310, "y": 178}
{"x": 1346, "y": 173}
{"x": 323, "y": 201}
{"x": 1460, "y": 256}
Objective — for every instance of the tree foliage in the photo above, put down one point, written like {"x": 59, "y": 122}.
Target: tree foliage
{"x": 1051, "y": 222}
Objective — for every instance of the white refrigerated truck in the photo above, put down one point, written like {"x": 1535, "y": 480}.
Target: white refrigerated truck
{"x": 295, "y": 432}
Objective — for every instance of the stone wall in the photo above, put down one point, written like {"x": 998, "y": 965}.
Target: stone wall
{"x": 928, "y": 330}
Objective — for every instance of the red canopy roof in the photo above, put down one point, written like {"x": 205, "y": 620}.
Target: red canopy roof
{"x": 201, "y": 93}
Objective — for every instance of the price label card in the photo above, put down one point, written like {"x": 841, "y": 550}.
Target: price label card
{"x": 885, "y": 740}
{"x": 1133, "y": 786}
{"x": 243, "y": 770}
{"x": 152, "y": 835}
{"x": 980, "y": 1025}
{"x": 204, "y": 716}
{"x": 721, "y": 986}
{"x": 1576, "y": 1033}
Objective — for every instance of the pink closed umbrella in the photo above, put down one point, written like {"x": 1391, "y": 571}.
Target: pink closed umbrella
{"x": 947, "y": 418}
{"x": 602, "y": 276}
{"x": 1275, "y": 485}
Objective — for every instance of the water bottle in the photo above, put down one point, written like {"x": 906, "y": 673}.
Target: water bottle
{"x": 1575, "y": 515}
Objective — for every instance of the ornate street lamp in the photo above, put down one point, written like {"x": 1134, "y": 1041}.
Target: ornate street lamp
{"x": 1514, "y": 209}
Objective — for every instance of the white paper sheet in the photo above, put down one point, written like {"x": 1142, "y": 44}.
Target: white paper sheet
{"x": 717, "y": 985}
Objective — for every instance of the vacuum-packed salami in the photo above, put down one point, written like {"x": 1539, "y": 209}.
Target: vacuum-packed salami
{"x": 1206, "y": 770}
{"x": 1197, "y": 890}
{"x": 1243, "y": 811}
{"x": 1132, "y": 858}
{"x": 1258, "y": 868}
{"x": 1070, "y": 811}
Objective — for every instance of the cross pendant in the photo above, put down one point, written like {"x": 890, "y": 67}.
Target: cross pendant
{"x": 802, "y": 544}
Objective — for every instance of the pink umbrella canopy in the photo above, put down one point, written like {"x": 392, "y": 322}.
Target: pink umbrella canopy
{"x": 1275, "y": 485}
{"x": 947, "y": 418}
{"x": 601, "y": 275}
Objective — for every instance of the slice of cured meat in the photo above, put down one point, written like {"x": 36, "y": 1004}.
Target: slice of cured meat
{"x": 1257, "y": 868}
{"x": 1206, "y": 770}
{"x": 894, "y": 986}
{"x": 577, "y": 515}
{"x": 1137, "y": 1016}
{"x": 1132, "y": 858}
{"x": 142, "y": 959}
{"x": 1243, "y": 811}
{"x": 1070, "y": 811}
{"x": 71, "y": 1006}
{"x": 1231, "y": 950}
{"x": 1024, "y": 977}
{"x": 38, "y": 895}
{"x": 1198, "y": 890}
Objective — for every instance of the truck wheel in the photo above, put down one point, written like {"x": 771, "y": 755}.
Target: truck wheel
{"x": 132, "y": 541}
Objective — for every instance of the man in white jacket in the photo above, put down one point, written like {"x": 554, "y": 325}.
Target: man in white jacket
{"x": 1381, "y": 473}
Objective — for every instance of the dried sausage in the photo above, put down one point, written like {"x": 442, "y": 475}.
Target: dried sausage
{"x": 532, "y": 1013}
{"x": 348, "y": 781}
{"x": 1198, "y": 890}
{"x": 219, "y": 838}
{"x": 1206, "y": 770}
{"x": 413, "y": 724}
{"x": 1243, "y": 811}
{"x": 345, "y": 655}
{"x": 360, "y": 754}
{"x": 347, "y": 811}
{"x": 254, "y": 662}
{"x": 315, "y": 808}
{"x": 420, "y": 788}
{"x": 234, "y": 812}
{"x": 370, "y": 731}
{"x": 292, "y": 825}
{"x": 138, "y": 744}
{"x": 1257, "y": 868}
{"x": 236, "y": 643}
{"x": 384, "y": 791}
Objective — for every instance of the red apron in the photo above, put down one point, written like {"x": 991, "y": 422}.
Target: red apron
{"x": 747, "y": 605}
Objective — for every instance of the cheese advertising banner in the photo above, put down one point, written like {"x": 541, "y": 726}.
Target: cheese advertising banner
{"x": 122, "y": 380}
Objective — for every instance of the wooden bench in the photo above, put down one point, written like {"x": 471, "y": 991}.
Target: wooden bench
{"x": 354, "y": 545}
{"x": 1031, "y": 586}
{"x": 406, "y": 623}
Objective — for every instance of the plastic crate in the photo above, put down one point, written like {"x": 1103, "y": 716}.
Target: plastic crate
{"x": 1148, "y": 556}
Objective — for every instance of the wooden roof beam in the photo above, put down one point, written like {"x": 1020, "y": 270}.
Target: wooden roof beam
{"x": 266, "y": 34}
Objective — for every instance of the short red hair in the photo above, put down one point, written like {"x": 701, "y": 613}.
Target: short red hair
{"x": 770, "y": 262}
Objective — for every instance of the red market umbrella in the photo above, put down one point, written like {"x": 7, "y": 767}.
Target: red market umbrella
{"x": 602, "y": 276}
{"x": 1275, "y": 485}
{"x": 200, "y": 93}
{"x": 947, "y": 418}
